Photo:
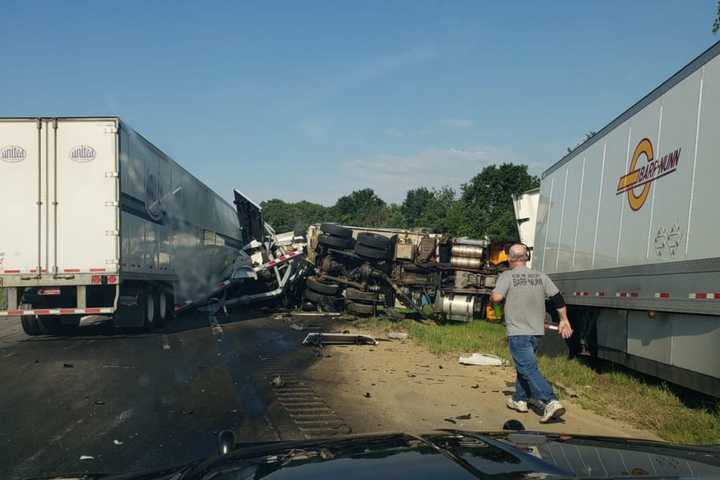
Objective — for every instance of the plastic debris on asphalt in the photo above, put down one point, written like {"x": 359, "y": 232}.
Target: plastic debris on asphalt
{"x": 86, "y": 457}
{"x": 118, "y": 442}
{"x": 481, "y": 359}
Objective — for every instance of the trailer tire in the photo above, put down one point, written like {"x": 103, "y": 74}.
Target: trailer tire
{"x": 147, "y": 306}
{"x": 30, "y": 325}
{"x": 336, "y": 242}
{"x": 162, "y": 307}
{"x": 356, "y": 295}
{"x": 370, "y": 252}
{"x": 314, "y": 284}
{"x": 319, "y": 298}
{"x": 336, "y": 230}
{"x": 374, "y": 240}
{"x": 362, "y": 309}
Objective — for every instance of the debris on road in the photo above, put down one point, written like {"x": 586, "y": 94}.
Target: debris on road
{"x": 338, "y": 339}
{"x": 450, "y": 420}
{"x": 118, "y": 442}
{"x": 277, "y": 381}
{"x": 569, "y": 391}
{"x": 295, "y": 326}
{"x": 367, "y": 395}
{"x": 315, "y": 314}
{"x": 86, "y": 457}
{"x": 481, "y": 359}
{"x": 467, "y": 416}
{"x": 99, "y": 402}
{"x": 475, "y": 386}
{"x": 68, "y": 365}
{"x": 397, "y": 335}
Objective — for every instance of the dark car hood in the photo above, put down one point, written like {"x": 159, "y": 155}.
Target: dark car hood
{"x": 451, "y": 454}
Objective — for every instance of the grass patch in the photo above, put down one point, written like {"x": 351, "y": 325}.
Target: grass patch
{"x": 3, "y": 299}
{"x": 612, "y": 393}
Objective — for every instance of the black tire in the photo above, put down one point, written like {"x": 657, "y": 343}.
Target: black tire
{"x": 356, "y": 295}
{"x": 325, "y": 288}
{"x": 30, "y": 326}
{"x": 360, "y": 308}
{"x": 319, "y": 298}
{"x": 336, "y": 242}
{"x": 148, "y": 311}
{"x": 374, "y": 240}
{"x": 336, "y": 230}
{"x": 369, "y": 252}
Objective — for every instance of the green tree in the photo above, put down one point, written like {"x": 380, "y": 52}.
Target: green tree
{"x": 435, "y": 215}
{"x": 716, "y": 23}
{"x": 361, "y": 208}
{"x": 415, "y": 203}
{"x": 487, "y": 201}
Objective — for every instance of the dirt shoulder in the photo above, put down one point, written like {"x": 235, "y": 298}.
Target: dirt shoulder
{"x": 400, "y": 385}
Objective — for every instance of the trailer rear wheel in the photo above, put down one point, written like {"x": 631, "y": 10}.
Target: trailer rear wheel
{"x": 336, "y": 230}
{"x": 374, "y": 240}
{"x": 319, "y": 298}
{"x": 335, "y": 241}
{"x": 360, "y": 308}
{"x": 30, "y": 325}
{"x": 147, "y": 302}
{"x": 325, "y": 288}
{"x": 369, "y": 252}
{"x": 164, "y": 304}
{"x": 359, "y": 296}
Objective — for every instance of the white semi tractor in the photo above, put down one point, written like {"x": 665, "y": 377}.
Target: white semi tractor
{"x": 97, "y": 220}
{"x": 627, "y": 227}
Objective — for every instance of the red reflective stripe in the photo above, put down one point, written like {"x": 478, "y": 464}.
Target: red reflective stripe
{"x": 701, "y": 296}
{"x": 42, "y": 311}
{"x": 71, "y": 270}
{"x": 599, "y": 294}
{"x": 92, "y": 310}
{"x": 634, "y": 294}
{"x": 67, "y": 310}
{"x": 97, "y": 269}
{"x": 15, "y": 312}
{"x": 12, "y": 271}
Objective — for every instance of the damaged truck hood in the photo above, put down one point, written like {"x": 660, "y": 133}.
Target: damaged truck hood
{"x": 452, "y": 454}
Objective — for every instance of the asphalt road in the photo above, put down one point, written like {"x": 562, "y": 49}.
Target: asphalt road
{"x": 137, "y": 401}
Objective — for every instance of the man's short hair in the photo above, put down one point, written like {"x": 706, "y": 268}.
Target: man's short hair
{"x": 518, "y": 251}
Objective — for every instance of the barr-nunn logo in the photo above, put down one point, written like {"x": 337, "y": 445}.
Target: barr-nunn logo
{"x": 82, "y": 154}
{"x": 639, "y": 177}
{"x": 12, "y": 154}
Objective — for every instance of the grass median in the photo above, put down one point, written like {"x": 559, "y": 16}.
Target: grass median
{"x": 611, "y": 392}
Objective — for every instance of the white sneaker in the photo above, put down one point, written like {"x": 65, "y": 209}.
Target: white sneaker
{"x": 520, "y": 406}
{"x": 553, "y": 409}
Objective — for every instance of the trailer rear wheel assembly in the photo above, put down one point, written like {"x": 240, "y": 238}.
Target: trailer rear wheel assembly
{"x": 147, "y": 303}
{"x": 320, "y": 287}
{"x": 374, "y": 240}
{"x": 319, "y": 298}
{"x": 360, "y": 308}
{"x": 30, "y": 325}
{"x": 336, "y": 230}
{"x": 335, "y": 241}
{"x": 370, "y": 252}
{"x": 359, "y": 296}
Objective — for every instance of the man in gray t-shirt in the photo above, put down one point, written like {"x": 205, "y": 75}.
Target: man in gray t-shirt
{"x": 525, "y": 291}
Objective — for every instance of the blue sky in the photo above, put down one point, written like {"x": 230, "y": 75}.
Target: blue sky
{"x": 310, "y": 100}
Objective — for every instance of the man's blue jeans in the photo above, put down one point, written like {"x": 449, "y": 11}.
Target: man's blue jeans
{"x": 530, "y": 383}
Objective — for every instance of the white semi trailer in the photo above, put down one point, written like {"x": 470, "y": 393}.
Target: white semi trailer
{"x": 96, "y": 220}
{"x": 627, "y": 226}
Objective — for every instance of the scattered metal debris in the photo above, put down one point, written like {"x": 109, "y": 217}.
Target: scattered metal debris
{"x": 315, "y": 338}
{"x": 87, "y": 457}
{"x": 295, "y": 326}
{"x": 481, "y": 359}
{"x": 99, "y": 402}
{"x": 118, "y": 442}
{"x": 277, "y": 381}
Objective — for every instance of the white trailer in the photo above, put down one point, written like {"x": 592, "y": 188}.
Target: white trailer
{"x": 97, "y": 220}
{"x": 627, "y": 224}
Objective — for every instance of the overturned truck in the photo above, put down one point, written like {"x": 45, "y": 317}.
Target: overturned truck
{"x": 361, "y": 269}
